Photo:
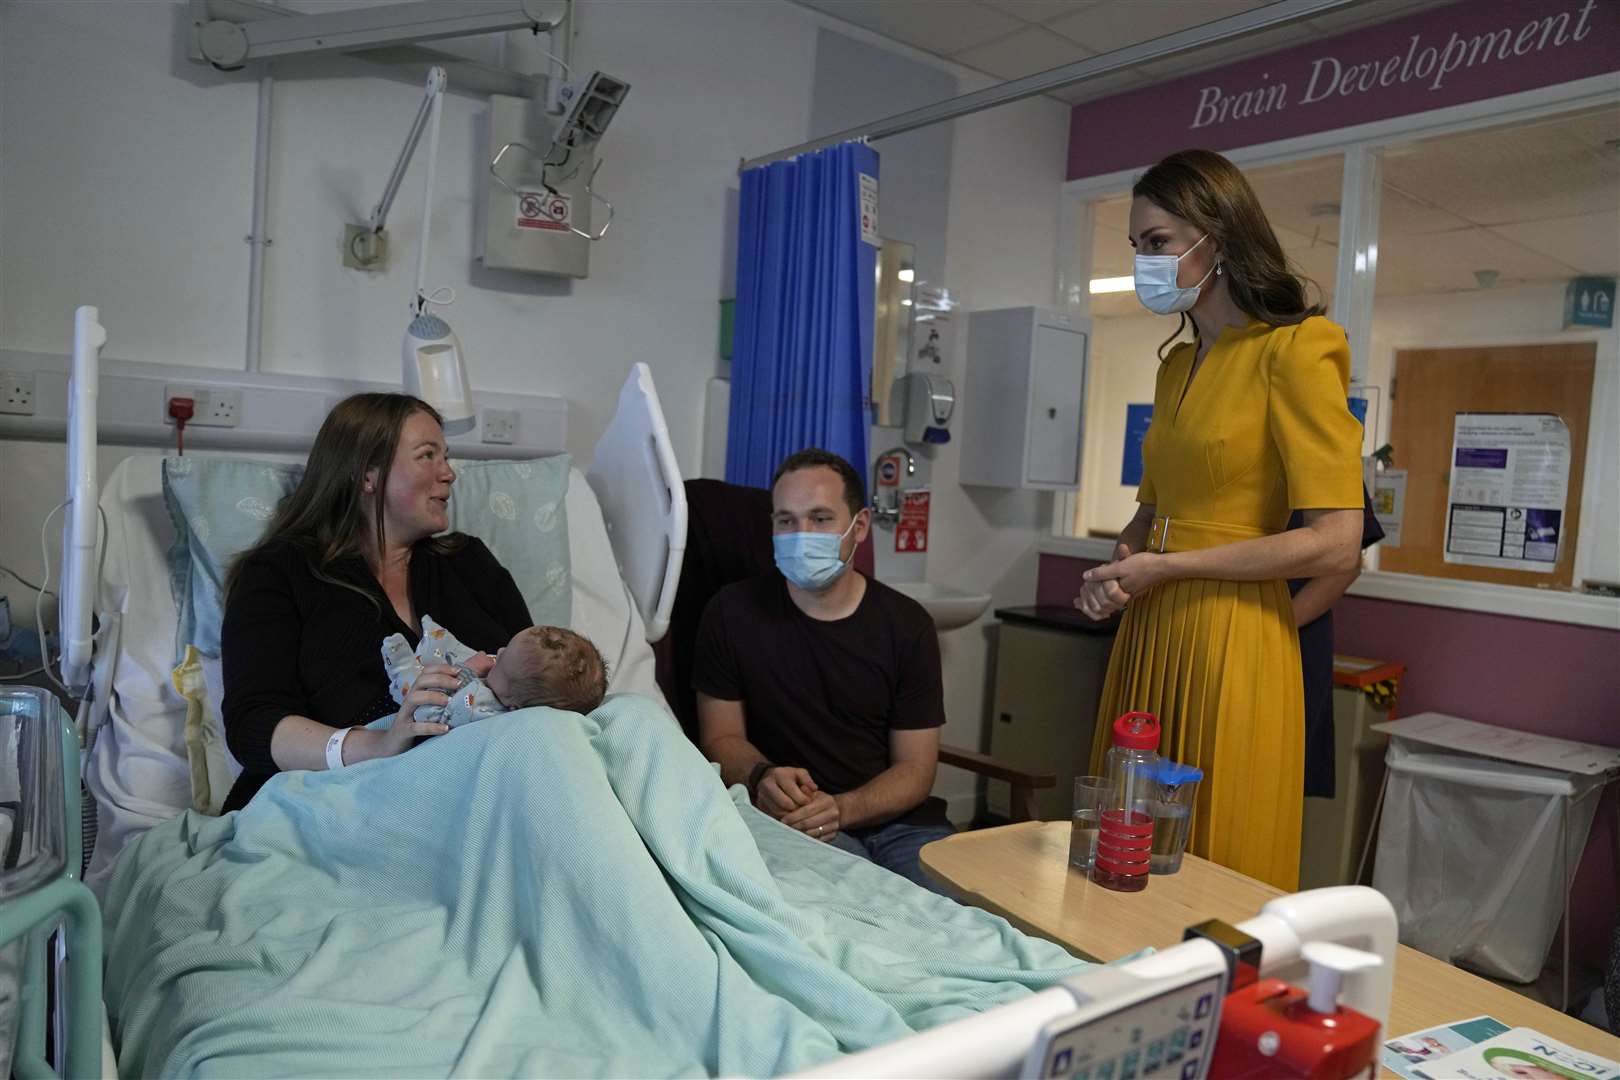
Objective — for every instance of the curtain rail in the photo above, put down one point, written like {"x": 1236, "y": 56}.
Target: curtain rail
{"x": 1272, "y": 16}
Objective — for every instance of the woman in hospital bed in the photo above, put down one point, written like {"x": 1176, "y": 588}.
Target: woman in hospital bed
{"x": 353, "y": 555}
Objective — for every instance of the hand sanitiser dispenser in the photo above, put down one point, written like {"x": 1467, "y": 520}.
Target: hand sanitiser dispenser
{"x": 930, "y": 401}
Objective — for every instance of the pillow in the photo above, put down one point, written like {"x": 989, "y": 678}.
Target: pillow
{"x": 198, "y": 680}
{"x": 220, "y": 508}
{"x": 517, "y": 509}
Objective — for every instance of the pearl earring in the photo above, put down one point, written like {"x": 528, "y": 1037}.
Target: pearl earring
{"x": 1218, "y": 270}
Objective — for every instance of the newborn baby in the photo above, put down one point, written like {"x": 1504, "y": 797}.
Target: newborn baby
{"x": 543, "y": 665}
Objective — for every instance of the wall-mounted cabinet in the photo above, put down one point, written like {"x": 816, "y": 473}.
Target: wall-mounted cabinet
{"x": 1024, "y": 398}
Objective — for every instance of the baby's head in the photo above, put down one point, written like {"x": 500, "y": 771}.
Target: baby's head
{"x": 547, "y": 665}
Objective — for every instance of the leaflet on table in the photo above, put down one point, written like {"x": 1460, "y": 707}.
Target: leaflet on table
{"x": 1520, "y": 1053}
{"x": 1407, "y": 1054}
{"x": 1509, "y": 489}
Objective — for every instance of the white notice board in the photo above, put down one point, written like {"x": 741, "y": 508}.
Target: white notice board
{"x": 1509, "y": 491}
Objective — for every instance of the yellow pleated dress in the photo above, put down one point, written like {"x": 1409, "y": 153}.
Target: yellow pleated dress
{"x": 1263, "y": 429}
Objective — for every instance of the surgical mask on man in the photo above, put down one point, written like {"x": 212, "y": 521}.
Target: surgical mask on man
{"x": 811, "y": 560}
{"x": 1156, "y": 282}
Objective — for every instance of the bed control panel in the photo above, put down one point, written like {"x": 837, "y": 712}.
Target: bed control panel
{"x": 1135, "y": 1024}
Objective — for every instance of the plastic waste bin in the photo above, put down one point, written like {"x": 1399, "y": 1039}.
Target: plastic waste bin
{"x": 1477, "y": 855}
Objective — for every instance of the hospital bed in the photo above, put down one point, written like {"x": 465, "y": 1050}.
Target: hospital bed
{"x": 626, "y": 533}
{"x": 626, "y": 521}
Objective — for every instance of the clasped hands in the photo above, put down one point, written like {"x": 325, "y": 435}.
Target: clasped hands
{"x": 790, "y": 796}
{"x": 1108, "y": 588}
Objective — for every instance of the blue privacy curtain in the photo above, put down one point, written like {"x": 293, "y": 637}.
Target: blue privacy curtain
{"x": 801, "y": 363}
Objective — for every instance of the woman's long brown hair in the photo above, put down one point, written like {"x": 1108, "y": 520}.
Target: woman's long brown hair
{"x": 325, "y": 516}
{"x": 1202, "y": 187}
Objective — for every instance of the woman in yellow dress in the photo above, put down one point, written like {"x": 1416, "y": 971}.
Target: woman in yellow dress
{"x": 1250, "y": 422}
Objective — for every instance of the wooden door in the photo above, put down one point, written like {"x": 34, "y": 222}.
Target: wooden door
{"x": 1431, "y": 387}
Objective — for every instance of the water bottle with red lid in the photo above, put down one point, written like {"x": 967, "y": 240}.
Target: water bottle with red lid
{"x": 1125, "y": 828}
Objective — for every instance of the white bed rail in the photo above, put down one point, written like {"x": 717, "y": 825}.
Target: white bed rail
{"x": 996, "y": 1043}
{"x": 83, "y": 491}
{"x": 638, "y": 483}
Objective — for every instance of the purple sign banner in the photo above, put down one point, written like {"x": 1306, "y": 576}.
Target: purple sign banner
{"x": 1476, "y": 458}
{"x": 1445, "y": 56}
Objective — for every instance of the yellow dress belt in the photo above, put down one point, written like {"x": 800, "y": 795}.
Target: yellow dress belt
{"x": 1182, "y": 534}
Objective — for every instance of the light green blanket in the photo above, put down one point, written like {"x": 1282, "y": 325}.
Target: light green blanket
{"x": 536, "y": 894}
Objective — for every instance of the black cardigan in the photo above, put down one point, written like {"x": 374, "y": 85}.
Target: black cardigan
{"x": 293, "y": 644}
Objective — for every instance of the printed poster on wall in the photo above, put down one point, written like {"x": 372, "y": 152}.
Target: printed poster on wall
{"x": 1509, "y": 489}
{"x": 869, "y": 225}
{"x": 1364, "y": 407}
{"x": 1388, "y": 490}
{"x": 911, "y": 531}
{"x": 1138, "y": 418}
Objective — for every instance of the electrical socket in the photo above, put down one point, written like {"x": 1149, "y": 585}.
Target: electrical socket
{"x": 216, "y": 406}
{"x": 498, "y": 426}
{"x": 17, "y": 393}
{"x": 364, "y": 249}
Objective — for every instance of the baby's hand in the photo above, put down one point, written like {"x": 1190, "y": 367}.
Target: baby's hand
{"x": 480, "y": 664}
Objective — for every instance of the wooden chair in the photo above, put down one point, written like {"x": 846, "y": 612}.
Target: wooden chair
{"x": 729, "y": 539}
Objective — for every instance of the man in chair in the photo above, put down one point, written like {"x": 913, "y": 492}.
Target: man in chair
{"x": 819, "y": 688}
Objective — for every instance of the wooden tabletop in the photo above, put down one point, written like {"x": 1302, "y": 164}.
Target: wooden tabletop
{"x": 1022, "y": 873}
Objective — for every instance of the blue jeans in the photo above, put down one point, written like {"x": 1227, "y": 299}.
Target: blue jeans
{"x": 895, "y": 847}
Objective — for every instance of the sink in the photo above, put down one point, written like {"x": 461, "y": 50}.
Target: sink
{"x": 949, "y": 608}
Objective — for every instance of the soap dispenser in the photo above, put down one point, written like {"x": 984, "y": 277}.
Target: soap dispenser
{"x": 1271, "y": 1029}
{"x": 930, "y": 400}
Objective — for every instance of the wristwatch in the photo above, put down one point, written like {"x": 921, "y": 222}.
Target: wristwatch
{"x": 755, "y": 775}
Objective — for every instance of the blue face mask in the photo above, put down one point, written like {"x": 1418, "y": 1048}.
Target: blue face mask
{"x": 1156, "y": 277}
{"x": 811, "y": 560}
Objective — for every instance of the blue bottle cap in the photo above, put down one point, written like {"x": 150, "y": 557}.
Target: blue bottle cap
{"x": 1174, "y": 774}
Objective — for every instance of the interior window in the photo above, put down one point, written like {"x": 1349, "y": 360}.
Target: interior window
{"x": 1487, "y": 396}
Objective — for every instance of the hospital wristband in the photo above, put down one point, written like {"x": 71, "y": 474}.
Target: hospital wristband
{"x": 334, "y": 748}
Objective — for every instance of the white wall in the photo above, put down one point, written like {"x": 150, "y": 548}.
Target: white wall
{"x": 126, "y": 174}
{"x": 129, "y": 186}
{"x": 1006, "y": 177}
